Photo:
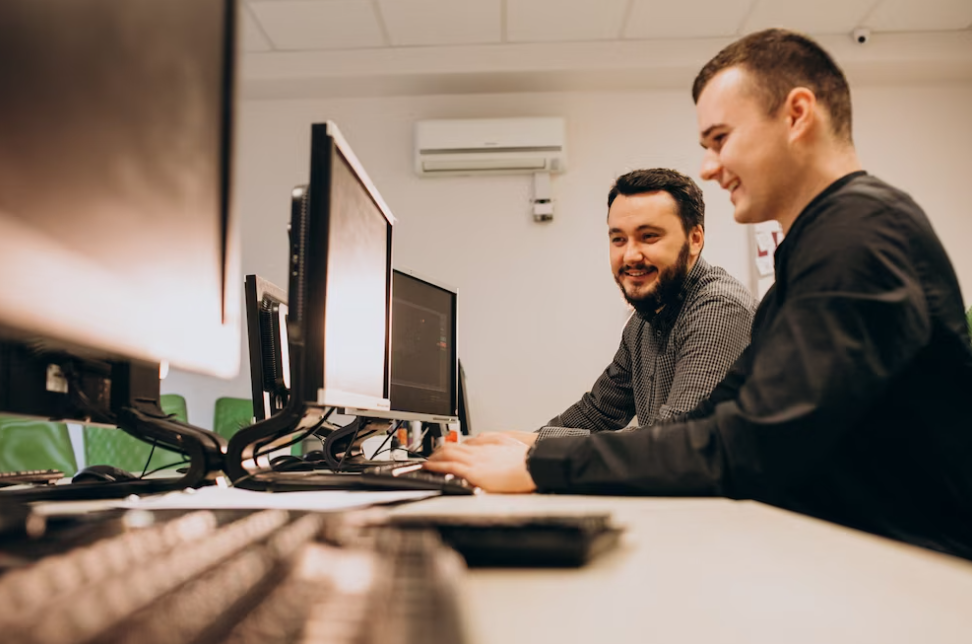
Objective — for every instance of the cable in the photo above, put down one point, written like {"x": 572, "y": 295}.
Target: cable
{"x": 149, "y": 459}
{"x": 347, "y": 450}
{"x": 165, "y": 467}
{"x": 391, "y": 432}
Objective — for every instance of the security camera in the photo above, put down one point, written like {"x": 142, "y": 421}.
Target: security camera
{"x": 861, "y": 35}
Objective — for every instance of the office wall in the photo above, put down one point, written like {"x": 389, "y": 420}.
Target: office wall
{"x": 540, "y": 315}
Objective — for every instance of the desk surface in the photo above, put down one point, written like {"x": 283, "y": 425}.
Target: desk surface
{"x": 714, "y": 570}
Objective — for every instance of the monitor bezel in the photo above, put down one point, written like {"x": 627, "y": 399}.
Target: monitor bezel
{"x": 256, "y": 289}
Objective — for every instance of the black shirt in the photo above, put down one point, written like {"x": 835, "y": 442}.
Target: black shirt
{"x": 849, "y": 405}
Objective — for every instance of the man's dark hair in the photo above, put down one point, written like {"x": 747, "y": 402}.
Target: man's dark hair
{"x": 685, "y": 192}
{"x": 779, "y": 61}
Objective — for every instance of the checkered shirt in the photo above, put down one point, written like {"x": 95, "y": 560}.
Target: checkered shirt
{"x": 666, "y": 366}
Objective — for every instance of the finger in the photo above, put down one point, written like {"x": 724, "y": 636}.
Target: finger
{"x": 453, "y": 453}
{"x": 488, "y": 438}
{"x": 450, "y": 467}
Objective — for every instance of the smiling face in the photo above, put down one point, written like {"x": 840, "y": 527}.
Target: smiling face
{"x": 746, "y": 150}
{"x": 650, "y": 251}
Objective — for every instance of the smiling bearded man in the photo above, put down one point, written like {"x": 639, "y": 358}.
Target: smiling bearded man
{"x": 691, "y": 321}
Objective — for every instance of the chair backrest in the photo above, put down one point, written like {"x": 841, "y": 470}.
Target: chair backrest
{"x": 105, "y": 446}
{"x": 231, "y": 415}
{"x": 27, "y": 444}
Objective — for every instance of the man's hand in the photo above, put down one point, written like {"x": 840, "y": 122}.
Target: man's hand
{"x": 496, "y": 465}
{"x": 488, "y": 438}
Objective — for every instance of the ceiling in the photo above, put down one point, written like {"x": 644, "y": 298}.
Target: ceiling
{"x": 388, "y": 47}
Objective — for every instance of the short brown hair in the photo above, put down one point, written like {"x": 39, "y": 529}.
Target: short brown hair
{"x": 779, "y": 61}
{"x": 685, "y": 192}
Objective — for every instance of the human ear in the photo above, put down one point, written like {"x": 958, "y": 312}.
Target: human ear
{"x": 696, "y": 238}
{"x": 800, "y": 109}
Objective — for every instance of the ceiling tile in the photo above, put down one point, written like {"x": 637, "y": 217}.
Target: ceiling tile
{"x": 927, "y": 15}
{"x": 319, "y": 24}
{"x": 686, "y": 18}
{"x": 817, "y": 17}
{"x": 563, "y": 20}
{"x": 253, "y": 37}
{"x": 442, "y": 22}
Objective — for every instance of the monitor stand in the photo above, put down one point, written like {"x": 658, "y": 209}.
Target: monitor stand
{"x": 136, "y": 410}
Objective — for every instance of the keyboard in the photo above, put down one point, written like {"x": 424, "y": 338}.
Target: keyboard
{"x": 30, "y": 476}
{"x": 412, "y": 477}
{"x": 390, "y": 476}
{"x": 234, "y": 578}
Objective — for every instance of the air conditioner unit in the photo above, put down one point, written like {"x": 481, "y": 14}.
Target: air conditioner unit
{"x": 490, "y": 146}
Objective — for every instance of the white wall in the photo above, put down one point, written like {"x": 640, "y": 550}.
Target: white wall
{"x": 540, "y": 315}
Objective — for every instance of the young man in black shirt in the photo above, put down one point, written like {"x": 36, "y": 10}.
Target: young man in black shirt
{"x": 849, "y": 405}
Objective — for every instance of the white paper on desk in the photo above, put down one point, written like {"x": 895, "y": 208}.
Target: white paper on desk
{"x": 216, "y": 498}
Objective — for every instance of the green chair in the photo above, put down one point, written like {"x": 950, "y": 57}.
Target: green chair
{"x": 27, "y": 444}
{"x": 231, "y": 415}
{"x": 104, "y": 446}
{"x": 968, "y": 318}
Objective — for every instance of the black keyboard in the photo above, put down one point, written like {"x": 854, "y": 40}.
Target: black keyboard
{"x": 411, "y": 476}
{"x": 233, "y": 578}
{"x": 30, "y": 476}
{"x": 390, "y": 476}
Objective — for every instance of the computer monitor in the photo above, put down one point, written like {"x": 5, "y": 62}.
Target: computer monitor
{"x": 266, "y": 323}
{"x": 423, "y": 350}
{"x": 463, "y": 406}
{"x": 116, "y": 236}
{"x": 117, "y": 242}
{"x": 341, "y": 248}
{"x": 339, "y": 302}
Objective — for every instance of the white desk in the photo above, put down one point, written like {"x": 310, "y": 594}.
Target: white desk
{"x": 714, "y": 570}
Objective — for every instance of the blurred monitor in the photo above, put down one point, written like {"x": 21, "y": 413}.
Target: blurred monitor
{"x": 266, "y": 323}
{"x": 116, "y": 237}
{"x": 463, "y": 404}
{"x": 115, "y": 228}
{"x": 341, "y": 281}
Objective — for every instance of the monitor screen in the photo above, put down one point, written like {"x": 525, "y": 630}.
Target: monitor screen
{"x": 341, "y": 236}
{"x": 356, "y": 310}
{"x": 423, "y": 362}
{"x": 115, "y": 230}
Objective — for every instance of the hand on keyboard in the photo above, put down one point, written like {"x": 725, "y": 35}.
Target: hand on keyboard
{"x": 414, "y": 476}
{"x": 496, "y": 464}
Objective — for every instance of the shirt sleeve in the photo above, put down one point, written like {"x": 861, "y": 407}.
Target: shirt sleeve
{"x": 610, "y": 402}
{"x": 853, "y": 318}
{"x": 712, "y": 334}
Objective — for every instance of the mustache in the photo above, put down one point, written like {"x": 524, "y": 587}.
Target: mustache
{"x": 635, "y": 267}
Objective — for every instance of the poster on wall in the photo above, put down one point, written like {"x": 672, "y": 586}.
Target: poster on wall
{"x": 765, "y": 239}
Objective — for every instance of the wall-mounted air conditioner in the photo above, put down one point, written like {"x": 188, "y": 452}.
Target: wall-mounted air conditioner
{"x": 490, "y": 146}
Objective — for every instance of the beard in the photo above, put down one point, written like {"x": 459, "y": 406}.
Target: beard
{"x": 665, "y": 290}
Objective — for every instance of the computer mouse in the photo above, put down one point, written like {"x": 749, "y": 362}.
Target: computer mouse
{"x": 314, "y": 456}
{"x": 289, "y": 463}
{"x": 102, "y": 474}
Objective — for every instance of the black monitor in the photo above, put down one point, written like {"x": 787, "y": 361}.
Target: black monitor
{"x": 423, "y": 350}
{"x": 117, "y": 244}
{"x": 341, "y": 244}
{"x": 115, "y": 226}
{"x": 339, "y": 297}
{"x": 266, "y": 323}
